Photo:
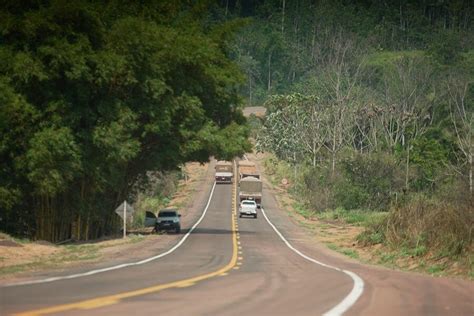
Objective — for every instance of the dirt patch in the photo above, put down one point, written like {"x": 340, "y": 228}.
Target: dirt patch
{"x": 24, "y": 253}
{"x": 9, "y": 243}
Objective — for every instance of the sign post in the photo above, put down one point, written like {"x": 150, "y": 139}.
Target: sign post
{"x": 124, "y": 219}
{"x": 125, "y": 210}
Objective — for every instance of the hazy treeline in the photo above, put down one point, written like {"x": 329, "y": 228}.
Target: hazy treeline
{"x": 93, "y": 94}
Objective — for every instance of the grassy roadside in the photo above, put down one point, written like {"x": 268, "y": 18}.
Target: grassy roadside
{"x": 352, "y": 234}
{"x": 21, "y": 256}
{"x": 49, "y": 256}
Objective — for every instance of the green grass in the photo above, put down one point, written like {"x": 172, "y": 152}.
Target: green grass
{"x": 387, "y": 258}
{"x": 300, "y": 209}
{"x": 436, "y": 269}
{"x": 333, "y": 246}
{"x": 136, "y": 239}
{"x": 354, "y": 217}
{"x": 16, "y": 269}
{"x": 417, "y": 251}
{"x": 348, "y": 252}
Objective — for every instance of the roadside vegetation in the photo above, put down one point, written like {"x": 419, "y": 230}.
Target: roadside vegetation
{"x": 433, "y": 240}
{"x": 95, "y": 96}
{"x": 24, "y": 256}
{"x": 370, "y": 120}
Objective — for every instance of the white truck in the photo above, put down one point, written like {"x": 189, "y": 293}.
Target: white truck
{"x": 248, "y": 207}
{"x": 224, "y": 172}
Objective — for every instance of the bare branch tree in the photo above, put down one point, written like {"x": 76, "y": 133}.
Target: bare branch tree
{"x": 462, "y": 118}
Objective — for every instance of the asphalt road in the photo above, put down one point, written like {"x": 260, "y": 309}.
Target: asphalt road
{"x": 235, "y": 266}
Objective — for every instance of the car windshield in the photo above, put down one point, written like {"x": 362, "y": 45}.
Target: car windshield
{"x": 167, "y": 214}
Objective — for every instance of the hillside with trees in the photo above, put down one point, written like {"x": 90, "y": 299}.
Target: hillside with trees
{"x": 370, "y": 106}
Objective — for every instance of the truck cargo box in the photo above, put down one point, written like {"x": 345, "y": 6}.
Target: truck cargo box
{"x": 224, "y": 166}
{"x": 224, "y": 172}
{"x": 250, "y": 188}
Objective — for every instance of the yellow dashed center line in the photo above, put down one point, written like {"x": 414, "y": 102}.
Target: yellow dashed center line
{"x": 114, "y": 299}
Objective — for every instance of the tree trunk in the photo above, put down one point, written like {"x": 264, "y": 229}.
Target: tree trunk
{"x": 283, "y": 17}
{"x": 250, "y": 89}
{"x": 470, "y": 175}
{"x": 407, "y": 169}
{"x": 269, "y": 85}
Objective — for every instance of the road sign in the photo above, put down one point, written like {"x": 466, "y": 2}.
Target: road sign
{"x": 124, "y": 207}
{"x": 125, "y": 210}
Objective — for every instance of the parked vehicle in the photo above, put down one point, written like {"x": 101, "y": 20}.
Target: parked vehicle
{"x": 224, "y": 172}
{"x": 250, "y": 188}
{"x": 248, "y": 207}
{"x": 167, "y": 220}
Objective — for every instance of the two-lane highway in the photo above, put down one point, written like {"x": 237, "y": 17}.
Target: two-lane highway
{"x": 232, "y": 266}
{"x": 209, "y": 250}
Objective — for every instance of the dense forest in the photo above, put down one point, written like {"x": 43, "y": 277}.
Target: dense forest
{"x": 95, "y": 94}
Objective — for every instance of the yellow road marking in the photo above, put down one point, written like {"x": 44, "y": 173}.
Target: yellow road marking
{"x": 116, "y": 298}
{"x": 186, "y": 284}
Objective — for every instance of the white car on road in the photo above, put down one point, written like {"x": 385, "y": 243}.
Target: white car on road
{"x": 248, "y": 207}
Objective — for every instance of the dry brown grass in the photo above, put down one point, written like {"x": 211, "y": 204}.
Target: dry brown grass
{"x": 436, "y": 225}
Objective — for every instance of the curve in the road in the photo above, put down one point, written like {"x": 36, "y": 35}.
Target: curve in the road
{"x": 350, "y": 299}
{"x": 92, "y": 272}
{"x": 113, "y": 299}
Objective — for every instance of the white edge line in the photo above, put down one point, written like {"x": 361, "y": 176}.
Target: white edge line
{"x": 120, "y": 266}
{"x": 350, "y": 299}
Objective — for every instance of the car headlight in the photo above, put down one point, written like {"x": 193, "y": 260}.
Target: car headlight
{"x": 175, "y": 220}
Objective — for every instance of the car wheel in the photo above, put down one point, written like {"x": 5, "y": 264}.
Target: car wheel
{"x": 178, "y": 230}
{"x": 255, "y": 216}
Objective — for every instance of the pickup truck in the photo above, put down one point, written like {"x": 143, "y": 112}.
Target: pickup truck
{"x": 248, "y": 207}
{"x": 167, "y": 219}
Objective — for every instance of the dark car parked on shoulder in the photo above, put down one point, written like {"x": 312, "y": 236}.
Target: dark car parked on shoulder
{"x": 167, "y": 220}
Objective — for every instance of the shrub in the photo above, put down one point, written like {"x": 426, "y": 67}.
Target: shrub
{"x": 425, "y": 224}
{"x": 317, "y": 188}
{"x": 369, "y": 181}
{"x": 349, "y": 196}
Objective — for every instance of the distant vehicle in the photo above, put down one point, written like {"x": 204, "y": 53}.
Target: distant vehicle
{"x": 247, "y": 169}
{"x": 250, "y": 188}
{"x": 248, "y": 207}
{"x": 224, "y": 172}
{"x": 168, "y": 219}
